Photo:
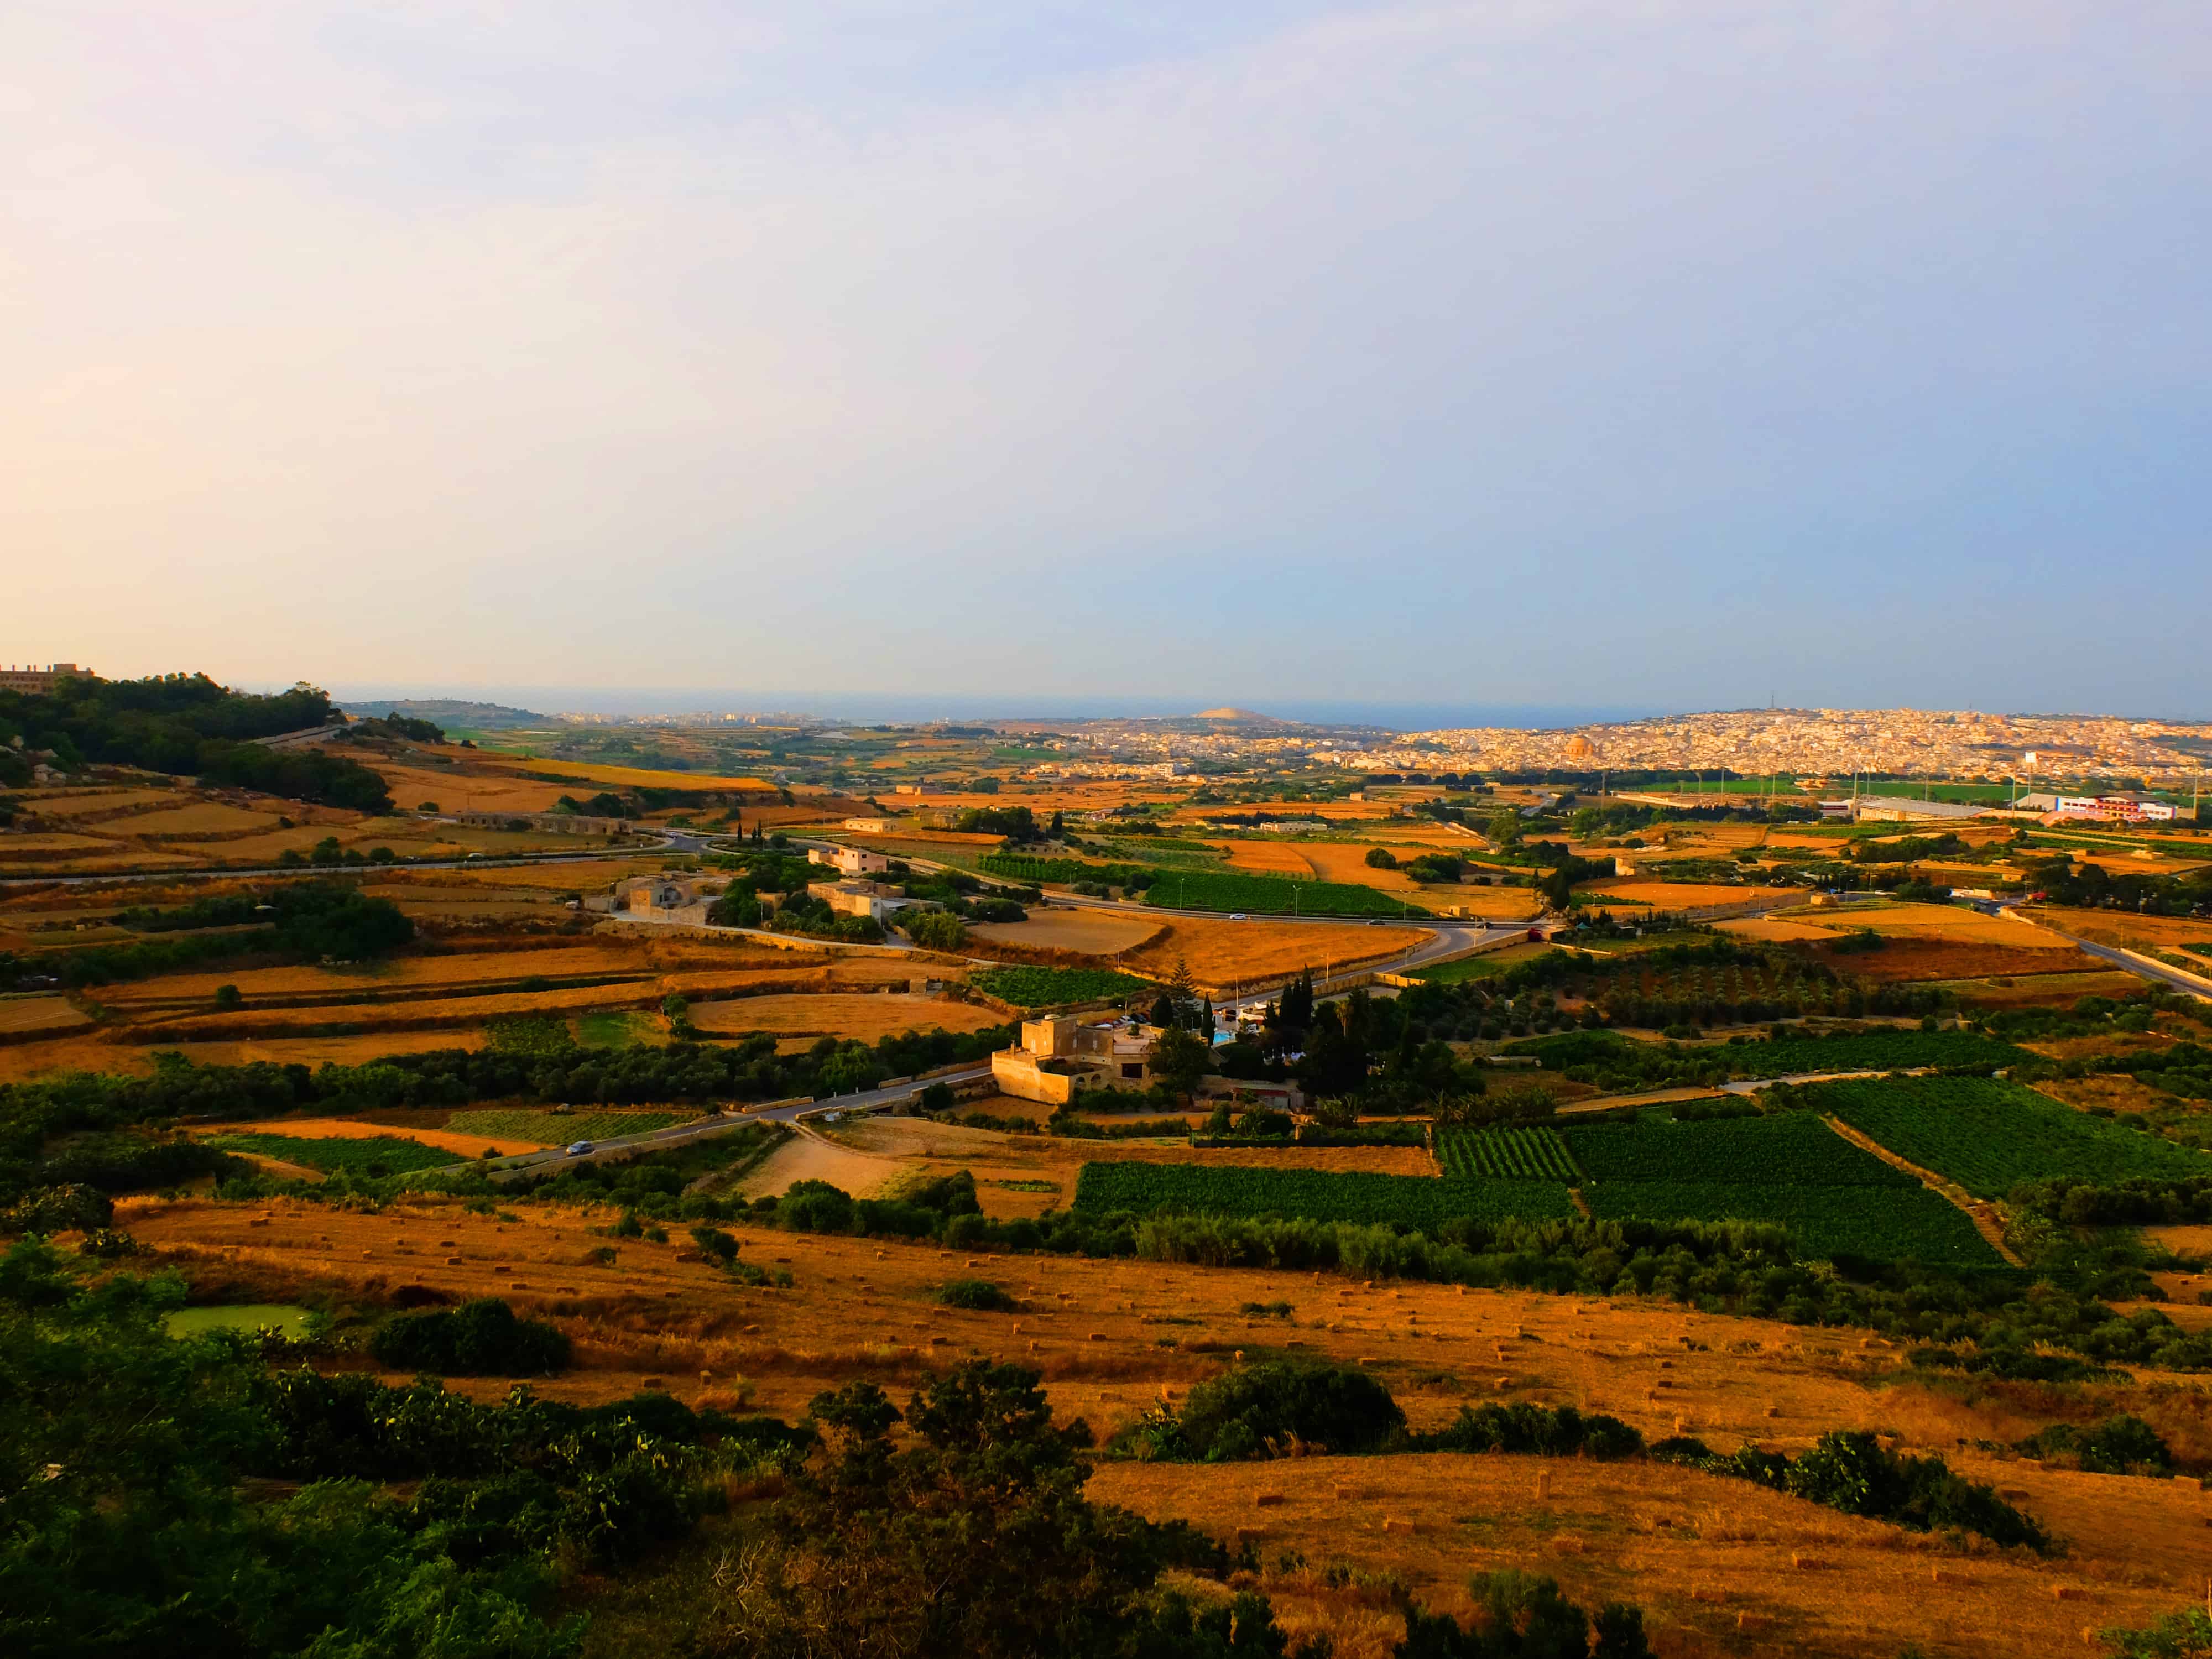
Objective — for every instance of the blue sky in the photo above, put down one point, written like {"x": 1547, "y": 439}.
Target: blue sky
{"x": 1604, "y": 355}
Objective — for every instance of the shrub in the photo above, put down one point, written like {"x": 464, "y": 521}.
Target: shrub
{"x": 1522, "y": 1427}
{"x": 1256, "y": 1410}
{"x": 72, "y": 1208}
{"x": 976, "y": 1296}
{"x": 482, "y": 1338}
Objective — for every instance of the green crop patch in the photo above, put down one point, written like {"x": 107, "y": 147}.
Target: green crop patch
{"x": 1416, "y": 1201}
{"x": 1045, "y": 988}
{"x": 1989, "y": 1135}
{"x": 1867, "y": 1051}
{"x": 1511, "y": 1154}
{"x": 370, "y": 1154}
{"x": 1877, "y": 1223}
{"x": 555, "y": 1128}
{"x": 1203, "y": 890}
{"x": 1795, "y": 1149}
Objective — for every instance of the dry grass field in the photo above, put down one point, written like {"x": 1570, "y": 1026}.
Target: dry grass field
{"x": 1948, "y": 921}
{"x": 354, "y": 1128}
{"x": 864, "y": 1017}
{"x": 1091, "y": 933}
{"x": 1268, "y": 858}
{"x": 1910, "y": 958}
{"x": 1772, "y": 927}
{"x": 1722, "y": 1567}
{"x": 1223, "y": 953}
{"x": 2145, "y": 934}
{"x": 38, "y": 1016}
{"x": 75, "y": 803}
{"x": 205, "y": 817}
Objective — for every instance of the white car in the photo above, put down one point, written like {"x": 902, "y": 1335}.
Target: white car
{"x": 1238, "y": 915}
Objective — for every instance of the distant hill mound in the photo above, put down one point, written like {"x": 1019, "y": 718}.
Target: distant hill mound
{"x": 449, "y": 711}
{"x": 1243, "y": 716}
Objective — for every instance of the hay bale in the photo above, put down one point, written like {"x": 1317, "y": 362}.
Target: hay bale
{"x": 2066, "y": 1593}
{"x": 1708, "y": 1593}
{"x": 1267, "y": 1500}
{"x": 1543, "y": 1483}
{"x": 1391, "y": 1523}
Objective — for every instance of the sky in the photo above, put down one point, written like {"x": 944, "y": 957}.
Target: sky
{"x": 1604, "y": 355}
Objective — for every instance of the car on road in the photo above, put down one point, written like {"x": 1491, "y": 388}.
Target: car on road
{"x": 1376, "y": 922}
{"x": 1238, "y": 915}
{"x": 578, "y": 1148}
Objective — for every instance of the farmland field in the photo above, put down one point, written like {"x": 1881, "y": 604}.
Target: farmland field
{"x": 1043, "y": 988}
{"x": 862, "y": 1015}
{"x": 1223, "y": 953}
{"x": 1867, "y": 1051}
{"x": 1512, "y": 1154}
{"x": 1272, "y": 895}
{"x": 362, "y": 1155}
{"x": 1907, "y": 1222}
{"x": 1989, "y": 1135}
{"x": 1481, "y": 967}
{"x": 1794, "y": 1149}
{"x": 1088, "y": 932}
{"x": 1417, "y": 1201}
{"x": 553, "y": 1129}
{"x": 38, "y": 1016}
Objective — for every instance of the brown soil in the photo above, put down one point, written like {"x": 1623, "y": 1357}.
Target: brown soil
{"x": 865, "y": 1017}
{"x": 1221, "y": 953}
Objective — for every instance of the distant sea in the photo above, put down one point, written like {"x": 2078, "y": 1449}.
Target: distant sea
{"x": 862, "y": 707}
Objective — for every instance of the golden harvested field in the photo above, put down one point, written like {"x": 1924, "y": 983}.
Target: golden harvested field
{"x": 1770, "y": 927}
{"x": 1937, "y": 921}
{"x": 1221, "y": 953}
{"x": 354, "y": 1128}
{"x": 1700, "y": 1551}
{"x": 425, "y": 1014}
{"x": 621, "y": 776}
{"x": 405, "y": 973}
{"x": 205, "y": 817}
{"x": 466, "y": 789}
{"x": 864, "y": 1016}
{"x": 69, "y": 803}
{"x": 1270, "y": 858}
{"x": 1909, "y": 957}
{"x": 2133, "y": 932}
{"x": 45, "y": 847}
{"x": 1338, "y": 861}
{"x": 39, "y": 1015}
{"x": 1092, "y": 933}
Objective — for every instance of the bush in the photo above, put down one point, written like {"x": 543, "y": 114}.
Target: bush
{"x": 1522, "y": 1427}
{"x": 1254, "y": 1411}
{"x": 482, "y": 1338}
{"x": 934, "y": 930}
{"x": 976, "y": 1296}
{"x": 2124, "y": 1444}
{"x": 73, "y": 1208}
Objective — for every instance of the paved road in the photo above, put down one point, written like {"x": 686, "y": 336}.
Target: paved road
{"x": 701, "y": 1129}
{"x": 2156, "y": 973}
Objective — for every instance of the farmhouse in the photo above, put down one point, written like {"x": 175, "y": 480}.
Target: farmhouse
{"x": 39, "y": 682}
{"x": 849, "y": 861}
{"x": 2123, "y": 805}
{"x": 1058, "y": 1054}
{"x": 558, "y": 823}
{"x": 859, "y": 898}
{"x": 662, "y": 898}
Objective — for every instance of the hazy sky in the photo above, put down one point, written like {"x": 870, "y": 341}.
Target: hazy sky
{"x": 1554, "y": 352}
